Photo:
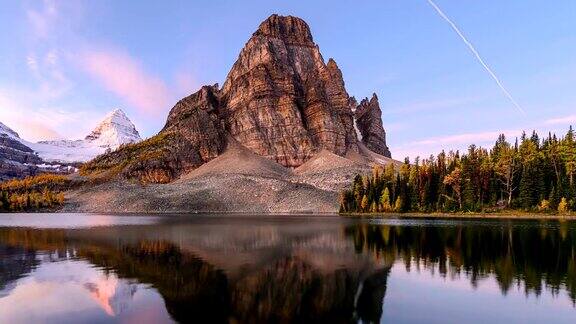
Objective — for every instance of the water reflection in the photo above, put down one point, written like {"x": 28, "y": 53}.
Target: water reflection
{"x": 268, "y": 270}
{"x": 535, "y": 255}
{"x": 61, "y": 289}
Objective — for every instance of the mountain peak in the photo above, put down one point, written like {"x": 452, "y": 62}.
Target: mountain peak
{"x": 288, "y": 28}
{"x": 114, "y": 130}
{"x": 116, "y": 115}
{"x": 5, "y": 130}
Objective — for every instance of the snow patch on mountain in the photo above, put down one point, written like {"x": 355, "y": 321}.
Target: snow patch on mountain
{"x": 116, "y": 129}
{"x": 66, "y": 151}
{"x": 7, "y": 131}
{"x": 356, "y": 129}
{"x": 112, "y": 132}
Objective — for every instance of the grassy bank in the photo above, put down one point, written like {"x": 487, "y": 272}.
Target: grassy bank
{"x": 507, "y": 214}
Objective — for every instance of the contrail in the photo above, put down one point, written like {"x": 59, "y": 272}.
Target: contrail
{"x": 478, "y": 57}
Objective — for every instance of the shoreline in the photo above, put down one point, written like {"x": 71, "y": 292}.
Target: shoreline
{"x": 492, "y": 216}
{"x": 507, "y": 215}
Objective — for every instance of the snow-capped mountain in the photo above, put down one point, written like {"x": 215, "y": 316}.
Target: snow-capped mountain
{"x": 19, "y": 158}
{"x": 112, "y": 132}
{"x": 116, "y": 129}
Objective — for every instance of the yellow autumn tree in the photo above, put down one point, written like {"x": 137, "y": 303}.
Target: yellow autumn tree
{"x": 364, "y": 203}
{"x": 563, "y": 205}
{"x": 398, "y": 204}
{"x": 385, "y": 201}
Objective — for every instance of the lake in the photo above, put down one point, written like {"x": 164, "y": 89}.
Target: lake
{"x": 62, "y": 268}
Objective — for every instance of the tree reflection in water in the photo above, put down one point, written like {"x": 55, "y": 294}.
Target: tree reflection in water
{"x": 541, "y": 256}
{"x": 285, "y": 289}
{"x": 275, "y": 274}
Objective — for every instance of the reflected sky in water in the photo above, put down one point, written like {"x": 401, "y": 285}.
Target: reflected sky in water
{"x": 73, "y": 220}
{"x": 246, "y": 269}
{"x": 76, "y": 291}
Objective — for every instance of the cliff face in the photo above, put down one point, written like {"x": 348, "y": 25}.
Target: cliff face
{"x": 280, "y": 100}
{"x": 196, "y": 118}
{"x": 369, "y": 121}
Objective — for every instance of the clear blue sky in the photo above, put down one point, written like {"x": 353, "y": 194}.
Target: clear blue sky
{"x": 64, "y": 64}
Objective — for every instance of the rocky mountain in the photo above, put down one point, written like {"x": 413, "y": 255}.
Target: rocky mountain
{"x": 280, "y": 100}
{"x": 368, "y": 117}
{"x": 112, "y": 132}
{"x": 20, "y": 158}
{"x": 16, "y": 159}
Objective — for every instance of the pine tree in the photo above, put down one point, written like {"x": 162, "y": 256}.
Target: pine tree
{"x": 398, "y": 206}
{"x": 454, "y": 180}
{"x": 5, "y": 201}
{"x": 530, "y": 174}
{"x": 385, "y": 200}
{"x": 569, "y": 155}
{"x": 563, "y": 205}
{"x": 364, "y": 203}
{"x": 553, "y": 198}
{"x": 373, "y": 207}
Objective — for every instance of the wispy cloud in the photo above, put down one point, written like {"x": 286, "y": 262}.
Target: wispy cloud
{"x": 35, "y": 121}
{"x": 433, "y": 145}
{"x": 43, "y": 19}
{"x": 126, "y": 76}
{"x": 466, "y": 138}
{"x": 51, "y": 81}
{"x": 566, "y": 120}
{"x": 21, "y": 119}
{"x": 185, "y": 83}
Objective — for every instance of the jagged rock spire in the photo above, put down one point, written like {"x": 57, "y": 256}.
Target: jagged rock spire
{"x": 369, "y": 120}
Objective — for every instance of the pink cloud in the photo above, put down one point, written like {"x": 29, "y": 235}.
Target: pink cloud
{"x": 185, "y": 84}
{"x": 433, "y": 145}
{"x": 566, "y": 120}
{"x": 37, "y": 130}
{"x": 125, "y": 76}
{"x": 468, "y": 138}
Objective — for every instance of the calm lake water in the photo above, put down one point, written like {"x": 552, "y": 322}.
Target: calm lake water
{"x": 250, "y": 269}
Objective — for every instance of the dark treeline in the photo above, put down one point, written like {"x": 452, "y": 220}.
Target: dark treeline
{"x": 531, "y": 174}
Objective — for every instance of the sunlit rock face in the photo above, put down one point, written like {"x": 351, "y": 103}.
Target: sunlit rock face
{"x": 282, "y": 101}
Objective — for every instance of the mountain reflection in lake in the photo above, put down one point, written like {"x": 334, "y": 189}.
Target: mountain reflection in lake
{"x": 288, "y": 269}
